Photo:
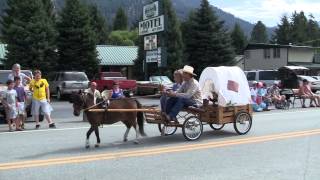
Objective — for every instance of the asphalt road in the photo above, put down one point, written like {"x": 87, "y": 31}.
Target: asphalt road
{"x": 281, "y": 145}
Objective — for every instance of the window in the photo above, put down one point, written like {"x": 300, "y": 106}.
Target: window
{"x": 74, "y": 76}
{"x": 276, "y": 52}
{"x": 251, "y": 76}
{"x": 266, "y": 53}
{"x": 268, "y": 75}
{"x": 247, "y": 54}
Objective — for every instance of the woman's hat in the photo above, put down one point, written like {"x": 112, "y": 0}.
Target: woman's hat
{"x": 188, "y": 69}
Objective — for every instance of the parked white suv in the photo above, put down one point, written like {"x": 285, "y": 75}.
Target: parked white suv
{"x": 266, "y": 76}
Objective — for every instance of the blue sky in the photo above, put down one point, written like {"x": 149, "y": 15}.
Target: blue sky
{"x": 268, "y": 11}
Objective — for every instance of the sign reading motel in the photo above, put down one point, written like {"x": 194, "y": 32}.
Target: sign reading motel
{"x": 152, "y": 25}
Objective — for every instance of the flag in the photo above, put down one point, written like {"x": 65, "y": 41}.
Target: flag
{"x": 233, "y": 86}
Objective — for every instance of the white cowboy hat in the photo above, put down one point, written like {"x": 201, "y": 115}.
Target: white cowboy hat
{"x": 189, "y": 70}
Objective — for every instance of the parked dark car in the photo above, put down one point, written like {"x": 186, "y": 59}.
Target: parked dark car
{"x": 151, "y": 87}
{"x": 66, "y": 82}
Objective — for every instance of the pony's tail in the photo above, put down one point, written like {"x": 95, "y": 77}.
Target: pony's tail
{"x": 140, "y": 119}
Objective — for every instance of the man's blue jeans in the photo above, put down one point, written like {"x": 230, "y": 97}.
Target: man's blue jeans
{"x": 175, "y": 105}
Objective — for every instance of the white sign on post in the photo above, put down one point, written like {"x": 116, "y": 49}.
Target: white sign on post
{"x": 153, "y": 56}
{"x": 150, "y": 42}
{"x": 151, "y": 10}
{"x": 152, "y": 25}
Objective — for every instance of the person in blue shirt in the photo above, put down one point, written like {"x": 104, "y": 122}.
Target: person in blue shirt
{"x": 177, "y": 75}
{"x": 116, "y": 92}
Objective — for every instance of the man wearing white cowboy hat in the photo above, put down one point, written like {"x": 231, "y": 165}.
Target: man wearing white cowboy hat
{"x": 189, "y": 94}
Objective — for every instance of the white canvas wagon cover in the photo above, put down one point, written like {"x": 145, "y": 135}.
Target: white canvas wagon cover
{"x": 230, "y": 83}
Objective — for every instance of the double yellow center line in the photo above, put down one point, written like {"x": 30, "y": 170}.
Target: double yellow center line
{"x": 155, "y": 151}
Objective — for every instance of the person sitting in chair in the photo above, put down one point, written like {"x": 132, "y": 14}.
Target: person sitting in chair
{"x": 306, "y": 93}
{"x": 116, "y": 92}
{"x": 274, "y": 94}
{"x": 188, "y": 94}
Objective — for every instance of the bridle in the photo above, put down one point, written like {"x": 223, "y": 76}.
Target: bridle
{"x": 82, "y": 100}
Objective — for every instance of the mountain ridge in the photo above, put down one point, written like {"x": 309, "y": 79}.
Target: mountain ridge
{"x": 133, "y": 8}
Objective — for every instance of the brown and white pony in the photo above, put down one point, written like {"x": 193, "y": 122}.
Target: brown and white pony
{"x": 83, "y": 101}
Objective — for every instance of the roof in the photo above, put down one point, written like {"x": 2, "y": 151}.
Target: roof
{"x": 266, "y": 46}
{"x": 117, "y": 55}
{"x": 109, "y": 55}
{"x": 308, "y": 65}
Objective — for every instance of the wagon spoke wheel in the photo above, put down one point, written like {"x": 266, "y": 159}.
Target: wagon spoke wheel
{"x": 242, "y": 123}
{"x": 216, "y": 126}
{"x": 192, "y": 128}
{"x": 168, "y": 130}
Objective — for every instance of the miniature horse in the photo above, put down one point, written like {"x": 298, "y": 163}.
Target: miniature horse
{"x": 82, "y": 101}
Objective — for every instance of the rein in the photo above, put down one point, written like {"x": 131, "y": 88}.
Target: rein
{"x": 94, "y": 105}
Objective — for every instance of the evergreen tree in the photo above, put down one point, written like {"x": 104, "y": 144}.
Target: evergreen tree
{"x": 313, "y": 31}
{"x": 206, "y": 41}
{"x": 259, "y": 33}
{"x": 283, "y": 32}
{"x": 239, "y": 40}
{"x": 99, "y": 25}
{"x": 138, "y": 68}
{"x": 299, "y": 24}
{"x": 121, "y": 20}
{"x": 29, "y": 34}
{"x": 173, "y": 39}
{"x": 76, "y": 41}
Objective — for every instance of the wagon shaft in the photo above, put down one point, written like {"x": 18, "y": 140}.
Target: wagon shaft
{"x": 125, "y": 110}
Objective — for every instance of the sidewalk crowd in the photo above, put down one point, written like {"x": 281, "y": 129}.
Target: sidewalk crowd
{"x": 263, "y": 96}
{"x": 14, "y": 99}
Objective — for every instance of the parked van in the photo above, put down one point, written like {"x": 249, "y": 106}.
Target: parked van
{"x": 267, "y": 76}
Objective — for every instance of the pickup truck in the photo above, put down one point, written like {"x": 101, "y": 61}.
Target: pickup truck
{"x": 152, "y": 86}
{"x": 105, "y": 81}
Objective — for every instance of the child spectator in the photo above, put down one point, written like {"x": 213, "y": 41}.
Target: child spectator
{"x": 21, "y": 97}
{"x": 116, "y": 91}
{"x": 10, "y": 103}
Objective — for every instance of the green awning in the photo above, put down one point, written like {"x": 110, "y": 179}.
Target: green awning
{"x": 117, "y": 55}
{"x": 2, "y": 52}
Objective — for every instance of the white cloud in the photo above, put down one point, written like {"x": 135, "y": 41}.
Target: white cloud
{"x": 270, "y": 11}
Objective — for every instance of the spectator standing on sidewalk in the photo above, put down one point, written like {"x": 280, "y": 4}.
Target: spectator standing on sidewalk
{"x": 21, "y": 97}
{"x": 41, "y": 99}
{"x": 16, "y": 71}
{"x": 10, "y": 103}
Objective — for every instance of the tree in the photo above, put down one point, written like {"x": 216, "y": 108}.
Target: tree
{"x": 207, "y": 43}
{"x": 313, "y": 31}
{"x": 99, "y": 25}
{"x": 282, "y": 34}
{"x": 173, "y": 39}
{"x": 30, "y": 35}
{"x": 123, "y": 38}
{"x": 120, "y": 21}
{"x": 76, "y": 42}
{"x": 239, "y": 40}
{"x": 299, "y": 28}
{"x": 259, "y": 33}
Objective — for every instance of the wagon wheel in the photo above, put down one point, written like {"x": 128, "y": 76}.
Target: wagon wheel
{"x": 242, "y": 123}
{"x": 192, "y": 128}
{"x": 216, "y": 126}
{"x": 168, "y": 130}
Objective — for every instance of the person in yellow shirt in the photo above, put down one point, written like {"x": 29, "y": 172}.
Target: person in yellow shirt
{"x": 41, "y": 99}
